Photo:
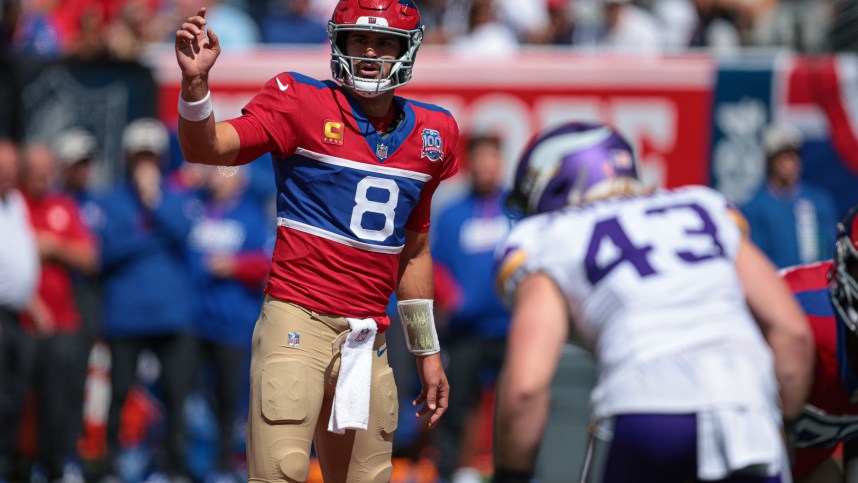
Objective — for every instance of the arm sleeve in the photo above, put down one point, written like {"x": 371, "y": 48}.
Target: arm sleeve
{"x": 269, "y": 122}
{"x": 419, "y": 219}
{"x": 516, "y": 257}
{"x": 254, "y": 140}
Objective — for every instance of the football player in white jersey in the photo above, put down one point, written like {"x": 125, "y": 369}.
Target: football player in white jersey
{"x": 700, "y": 347}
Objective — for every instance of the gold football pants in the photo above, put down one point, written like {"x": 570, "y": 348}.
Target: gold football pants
{"x": 293, "y": 374}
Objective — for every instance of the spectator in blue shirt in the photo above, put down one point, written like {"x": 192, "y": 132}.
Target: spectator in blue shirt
{"x": 789, "y": 219}
{"x": 466, "y": 235}
{"x": 230, "y": 249}
{"x": 146, "y": 286}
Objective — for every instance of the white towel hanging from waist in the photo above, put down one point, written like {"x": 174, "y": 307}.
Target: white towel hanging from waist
{"x": 350, "y": 409}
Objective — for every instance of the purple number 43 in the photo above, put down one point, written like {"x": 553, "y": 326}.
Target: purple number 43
{"x": 611, "y": 230}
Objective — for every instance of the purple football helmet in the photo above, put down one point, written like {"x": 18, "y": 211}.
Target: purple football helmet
{"x": 563, "y": 164}
{"x": 844, "y": 286}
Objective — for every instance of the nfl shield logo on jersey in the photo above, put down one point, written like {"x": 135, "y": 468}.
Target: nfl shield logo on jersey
{"x": 362, "y": 335}
{"x": 294, "y": 339}
{"x": 381, "y": 151}
{"x": 433, "y": 148}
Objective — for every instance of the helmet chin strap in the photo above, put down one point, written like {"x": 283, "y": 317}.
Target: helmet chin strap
{"x": 369, "y": 88}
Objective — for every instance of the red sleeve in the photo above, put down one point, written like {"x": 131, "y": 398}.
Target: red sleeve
{"x": 451, "y": 165}
{"x": 251, "y": 268}
{"x": 269, "y": 122}
{"x": 448, "y": 293}
{"x": 77, "y": 231}
{"x": 419, "y": 218}
{"x": 254, "y": 139}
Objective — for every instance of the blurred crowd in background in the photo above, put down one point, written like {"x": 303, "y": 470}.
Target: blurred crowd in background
{"x": 149, "y": 288}
{"x": 122, "y": 29}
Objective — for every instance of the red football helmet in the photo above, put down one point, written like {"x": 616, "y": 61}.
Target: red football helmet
{"x": 393, "y": 17}
{"x": 844, "y": 286}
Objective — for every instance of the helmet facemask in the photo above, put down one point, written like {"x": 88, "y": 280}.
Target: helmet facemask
{"x": 343, "y": 67}
{"x": 844, "y": 286}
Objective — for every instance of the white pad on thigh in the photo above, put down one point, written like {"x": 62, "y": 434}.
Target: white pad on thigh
{"x": 738, "y": 438}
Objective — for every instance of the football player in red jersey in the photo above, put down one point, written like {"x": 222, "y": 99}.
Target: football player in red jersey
{"x": 828, "y": 293}
{"x": 355, "y": 169}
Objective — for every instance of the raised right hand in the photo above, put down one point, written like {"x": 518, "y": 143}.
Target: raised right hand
{"x": 196, "y": 52}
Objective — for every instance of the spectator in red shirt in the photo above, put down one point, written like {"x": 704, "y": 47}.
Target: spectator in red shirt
{"x": 52, "y": 319}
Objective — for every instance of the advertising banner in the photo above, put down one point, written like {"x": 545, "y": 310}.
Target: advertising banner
{"x": 740, "y": 114}
{"x": 662, "y": 105}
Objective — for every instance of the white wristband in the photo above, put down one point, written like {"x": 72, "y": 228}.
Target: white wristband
{"x": 418, "y": 323}
{"x": 197, "y": 110}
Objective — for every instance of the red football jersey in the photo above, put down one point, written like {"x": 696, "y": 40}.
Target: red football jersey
{"x": 345, "y": 193}
{"x": 58, "y": 215}
{"x": 831, "y": 413}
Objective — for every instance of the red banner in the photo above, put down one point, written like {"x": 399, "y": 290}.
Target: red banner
{"x": 663, "y": 105}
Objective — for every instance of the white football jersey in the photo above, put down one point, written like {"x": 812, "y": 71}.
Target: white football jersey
{"x": 653, "y": 292}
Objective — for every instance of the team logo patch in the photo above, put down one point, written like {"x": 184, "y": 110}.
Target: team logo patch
{"x": 362, "y": 335}
{"x": 433, "y": 147}
{"x": 333, "y": 133}
{"x": 294, "y": 339}
{"x": 376, "y": 21}
{"x": 381, "y": 151}
{"x": 621, "y": 159}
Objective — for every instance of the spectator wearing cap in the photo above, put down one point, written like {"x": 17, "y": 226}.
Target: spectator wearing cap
{"x": 487, "y": 34}
{"x": 147, "y": 297}
{"x": 52, "y": 319}
{"x": 630, "y": 29}
{"x": 789, "y": 219}
{"x": 19, "y": 269}
{"x": 76, "y": 150}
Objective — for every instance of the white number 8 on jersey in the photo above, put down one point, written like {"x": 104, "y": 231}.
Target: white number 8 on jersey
{"x": 364, "y": 205}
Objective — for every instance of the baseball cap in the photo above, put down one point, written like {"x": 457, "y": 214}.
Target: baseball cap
{"x": 145, "y": 135}
{"x": 778, "y": 138}
{"x": 74, "y": 145}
